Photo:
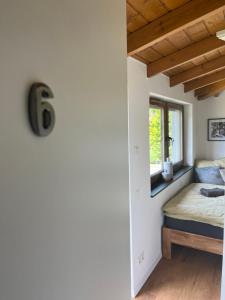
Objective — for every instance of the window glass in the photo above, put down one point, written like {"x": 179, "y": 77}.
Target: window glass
{"x": 175, "y": 130}
{"x": 156, "y": 139}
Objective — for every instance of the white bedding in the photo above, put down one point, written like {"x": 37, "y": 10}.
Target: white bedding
{"x": 189, "y": 204}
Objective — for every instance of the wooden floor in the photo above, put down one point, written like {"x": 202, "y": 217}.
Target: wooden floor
{"x": 190, "y": 275}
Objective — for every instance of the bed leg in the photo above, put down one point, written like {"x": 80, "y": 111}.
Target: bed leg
{"x": 166, "y": 243}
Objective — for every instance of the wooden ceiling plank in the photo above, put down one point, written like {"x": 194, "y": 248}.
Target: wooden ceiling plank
{"x": 134, "y": 19}
{"x": 150, "y": 54}
{"x": 204, "y": 81}
{"x": 178, "y": 19}
{"x": 197, "y": 32}
{"x": 180, "y": 39}
{"x": 210, "y": 90}
{"x": 222, "y": 51}
{"x": 174, "y": 71}
{"x": 142, "y": 59}
{"x": 199, "y": 60}
{"x": 165, "y": 47}
{"x": 184, "y": 55}
{"x": 172, "y": 4}
{"x": 149, "y": 9}
{"x": 215, "y": 22}
{"x": 198, "y": 71}
{"x": 213, "y": 55}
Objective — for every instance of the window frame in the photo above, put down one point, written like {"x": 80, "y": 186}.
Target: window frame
{"x": 165, "y": 106}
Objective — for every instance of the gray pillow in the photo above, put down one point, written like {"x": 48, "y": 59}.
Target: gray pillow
{"x": 209, "y": 175}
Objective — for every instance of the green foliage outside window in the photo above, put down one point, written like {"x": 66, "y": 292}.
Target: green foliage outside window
{"x": 155, "y": 135}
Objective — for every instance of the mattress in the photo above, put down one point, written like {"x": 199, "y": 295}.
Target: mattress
{"x": 190, "y": 205}
{"x": 194, "y": 227}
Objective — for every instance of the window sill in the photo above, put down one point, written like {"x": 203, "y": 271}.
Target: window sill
{"x": 163, "y": 185}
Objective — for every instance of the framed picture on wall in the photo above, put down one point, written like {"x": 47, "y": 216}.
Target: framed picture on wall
{"x": 216, "y": 129}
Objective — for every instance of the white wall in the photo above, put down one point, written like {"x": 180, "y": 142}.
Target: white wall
{"x": 64, "y": 209}
{"x": 210, "y": 108}
{"x": 223, "y": 274}
{"x": 146, "y": 216}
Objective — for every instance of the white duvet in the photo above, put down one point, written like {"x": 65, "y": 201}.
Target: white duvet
{"x": 189, "y": 204}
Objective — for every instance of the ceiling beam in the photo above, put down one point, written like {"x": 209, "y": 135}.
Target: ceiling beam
{"x": 184, "y": 55}
{"x": 213, "y": 95}
{"x": 178, "y": 19}
{"x": 198, "y": 71}
{"x": 210, "y": 90}
{"x": 204, "y": 81}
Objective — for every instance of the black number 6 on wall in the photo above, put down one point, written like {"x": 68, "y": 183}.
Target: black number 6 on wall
{"x": 41, "y": 112}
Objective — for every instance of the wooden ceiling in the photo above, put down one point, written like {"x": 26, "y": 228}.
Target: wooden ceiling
{"x": 178, "y": 38}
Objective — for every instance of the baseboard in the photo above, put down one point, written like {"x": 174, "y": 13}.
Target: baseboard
{"x": 138, "y": 287}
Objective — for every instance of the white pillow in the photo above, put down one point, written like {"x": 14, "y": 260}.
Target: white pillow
{"x": 205, "y": 163}
{"x": 220, "y": 162}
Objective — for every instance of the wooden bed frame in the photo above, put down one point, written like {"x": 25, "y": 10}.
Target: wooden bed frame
{"x": 200, "y": 242}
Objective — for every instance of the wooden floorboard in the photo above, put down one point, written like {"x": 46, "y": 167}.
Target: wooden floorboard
{"x": 190, "y": 275}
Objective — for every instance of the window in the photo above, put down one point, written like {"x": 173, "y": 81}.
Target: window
{"x": 156, "y": 130}
{"x": 166, "y": 136}
{"x": 175, "y": 133}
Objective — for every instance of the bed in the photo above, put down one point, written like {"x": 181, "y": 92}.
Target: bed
{"x": 193, "y": 220}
